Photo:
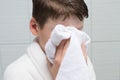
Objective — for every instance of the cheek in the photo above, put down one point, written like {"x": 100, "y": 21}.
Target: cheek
{"x": 45, "y": 35}
{"x": 47, "y": 32}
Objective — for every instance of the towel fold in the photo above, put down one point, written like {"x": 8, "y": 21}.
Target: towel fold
{"x": 73, "y": 66}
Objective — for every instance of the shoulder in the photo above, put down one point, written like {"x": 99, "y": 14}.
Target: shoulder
{"x": 18, "y": 70}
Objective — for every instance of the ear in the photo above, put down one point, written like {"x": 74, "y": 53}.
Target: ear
{"x": 34, "y": 27}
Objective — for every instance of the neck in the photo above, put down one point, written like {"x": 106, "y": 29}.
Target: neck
{"x": 42, "y": 46}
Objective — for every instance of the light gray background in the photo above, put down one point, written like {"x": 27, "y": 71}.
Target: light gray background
{"x": 103, "y": 26}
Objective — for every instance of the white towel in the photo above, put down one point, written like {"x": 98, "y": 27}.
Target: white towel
{"x": 73, "y": 66}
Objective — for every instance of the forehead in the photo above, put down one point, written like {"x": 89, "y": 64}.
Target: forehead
{"x": 74, "y": 21}
{"x": 69, "y": 21}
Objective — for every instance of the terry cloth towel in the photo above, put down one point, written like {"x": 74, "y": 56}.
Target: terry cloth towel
{"x": 73, "y": 66}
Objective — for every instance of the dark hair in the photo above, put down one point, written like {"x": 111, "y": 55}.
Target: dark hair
{"x": 44, "y": 9}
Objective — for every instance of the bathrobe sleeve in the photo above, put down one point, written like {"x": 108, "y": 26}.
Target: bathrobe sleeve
{"x": 20, "y": 73}
{"x": 17, "y": 75}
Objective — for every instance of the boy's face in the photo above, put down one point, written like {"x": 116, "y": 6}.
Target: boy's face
{"x": 44, "y": 34}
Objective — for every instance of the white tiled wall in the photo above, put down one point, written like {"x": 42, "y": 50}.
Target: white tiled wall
{"x": 106, "y": 59}
{"x": 14, "y": 31}
{"x": 11, "y": 52}
{"x": 105, "y": 20}
{"x": 0, "y": 68}
{"x": 106, "y": 39}
{"x": 14, "y": 22}
{"x": 102, "y": 26}
{"x": 105, "y": 11}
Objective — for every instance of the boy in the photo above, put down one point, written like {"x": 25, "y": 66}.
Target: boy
{"x": 46, "y": 15}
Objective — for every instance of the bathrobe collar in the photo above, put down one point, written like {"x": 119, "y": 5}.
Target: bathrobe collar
{"x": 38, "y": 58}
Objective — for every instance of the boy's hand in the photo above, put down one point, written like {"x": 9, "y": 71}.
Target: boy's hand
{"x": 61, "y": 49}
{"x": 60, "y": 52}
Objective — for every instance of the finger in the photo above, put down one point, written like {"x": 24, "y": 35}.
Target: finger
{"x": 59, "y": 51}
{"x": 84, "y": 51}
{"x": 83, "y": 47}
{"x": 61, "y": 46}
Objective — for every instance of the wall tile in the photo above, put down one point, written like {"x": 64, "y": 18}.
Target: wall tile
{"x": 10, "y": 53}
{"x": 14, "y": 8}
{"x": 0, "y": 65}
{"x": 87, "y": 28}
{"x": 29, "y": 5}
{"x": 89, "y": 5}
{"x": 14, "y": 22}
{"x": 105, "y": 11}
{"x": 0, "y": 69}
{"x": 0, "y": 72}
{"x": 15, "y": 34}
{"x": 106, "y": 59}
{"x": 105, "y": 32}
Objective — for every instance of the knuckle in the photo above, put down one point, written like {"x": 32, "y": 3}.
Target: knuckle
{"x": 57, "y": 62}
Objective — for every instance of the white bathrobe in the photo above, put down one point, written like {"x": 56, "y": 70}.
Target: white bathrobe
{"x": 33, "y": 66}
